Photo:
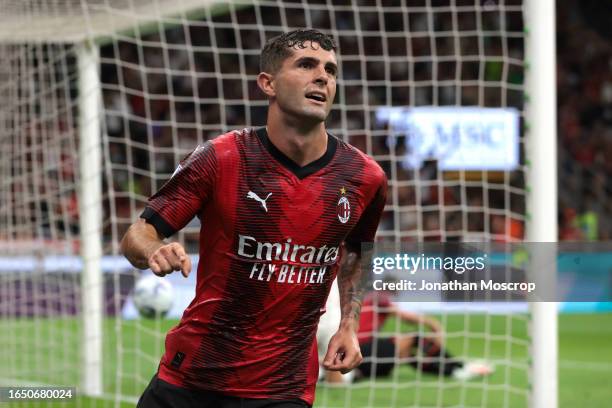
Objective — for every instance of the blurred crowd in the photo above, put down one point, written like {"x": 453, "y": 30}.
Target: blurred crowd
{"x": 584, "y": 69}
{"x": 161, "y": 101}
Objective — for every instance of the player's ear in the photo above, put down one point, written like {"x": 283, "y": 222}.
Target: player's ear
{"x": 265, "y": 82}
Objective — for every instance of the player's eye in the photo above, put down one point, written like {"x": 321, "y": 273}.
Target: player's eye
{"x": 331, "y": 71}
{"x": 305, "y": 64}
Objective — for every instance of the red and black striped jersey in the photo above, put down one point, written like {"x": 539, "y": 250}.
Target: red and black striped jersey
{"x": 270, "y": 245}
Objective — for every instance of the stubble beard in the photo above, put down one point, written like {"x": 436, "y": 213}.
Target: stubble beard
{"x": 305, "y": 113}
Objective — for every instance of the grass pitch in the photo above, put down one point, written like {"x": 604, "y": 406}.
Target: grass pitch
{"x": 47, "y": 351}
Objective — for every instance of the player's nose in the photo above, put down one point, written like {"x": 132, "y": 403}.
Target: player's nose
{"x": 320, "y": 76}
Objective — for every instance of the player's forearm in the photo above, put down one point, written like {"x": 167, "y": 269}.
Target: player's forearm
{"x": 139, "y": 242}
{"x": 351, "y": 291}
{"x": 419, "y": 319}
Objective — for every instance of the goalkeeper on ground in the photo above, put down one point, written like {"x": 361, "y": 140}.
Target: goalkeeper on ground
{"x": 383, "y": 351}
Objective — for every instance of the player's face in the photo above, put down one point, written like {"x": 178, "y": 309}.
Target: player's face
{"x": 305, "y": 85}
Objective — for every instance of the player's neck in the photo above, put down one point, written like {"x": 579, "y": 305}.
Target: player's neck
{"x": 302, "y": 145}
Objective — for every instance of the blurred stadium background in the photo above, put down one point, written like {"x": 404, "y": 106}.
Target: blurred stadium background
{"x": 100, "y": 99}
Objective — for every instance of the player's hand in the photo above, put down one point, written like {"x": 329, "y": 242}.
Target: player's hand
{"x": 169, "y": 258}
{"x": 343, "y": 352}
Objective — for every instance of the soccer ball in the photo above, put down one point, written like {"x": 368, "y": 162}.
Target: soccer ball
{"x": 153, "y": 297}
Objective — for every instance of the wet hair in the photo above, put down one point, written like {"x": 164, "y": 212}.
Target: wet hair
{"x": 279, "y": 48}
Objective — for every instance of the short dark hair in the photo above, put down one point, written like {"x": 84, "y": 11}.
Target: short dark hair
{"x": 279, "y": 48}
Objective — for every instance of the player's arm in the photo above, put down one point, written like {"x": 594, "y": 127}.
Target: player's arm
{"x": 145, "y": 248}
{"x": 343, "y": 352}
{"x": 168, "y": 211}
{"x": 418, "y": 319}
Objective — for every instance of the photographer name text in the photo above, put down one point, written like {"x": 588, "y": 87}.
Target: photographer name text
{"x": 454, "y": 285}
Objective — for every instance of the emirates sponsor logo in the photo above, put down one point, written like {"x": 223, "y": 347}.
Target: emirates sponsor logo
{"x": 249, "y": 247}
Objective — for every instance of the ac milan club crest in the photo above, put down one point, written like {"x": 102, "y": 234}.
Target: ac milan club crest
{"x": 344, "y": 210}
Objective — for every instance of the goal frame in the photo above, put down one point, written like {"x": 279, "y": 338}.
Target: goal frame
{"x": 541, "y": 181}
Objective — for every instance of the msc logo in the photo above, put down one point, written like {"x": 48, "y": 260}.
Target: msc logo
{"x": 343, "y": 210}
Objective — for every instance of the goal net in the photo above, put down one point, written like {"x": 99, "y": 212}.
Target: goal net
{"x": 100, "y": 99}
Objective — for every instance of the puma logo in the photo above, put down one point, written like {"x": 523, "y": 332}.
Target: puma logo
{"x": 257, "y": 198}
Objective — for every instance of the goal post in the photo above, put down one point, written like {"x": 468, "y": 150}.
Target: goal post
{"x": 541, "y": 153}
{"x": 100, "y": 99}
{"x": 90, "y": 209}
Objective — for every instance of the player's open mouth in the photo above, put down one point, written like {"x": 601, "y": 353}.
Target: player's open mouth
{"x": 316, "y": 96}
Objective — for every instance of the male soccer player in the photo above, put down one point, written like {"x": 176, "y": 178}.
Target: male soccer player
{"x": 425, "y": 353}
{"x": 284, "y": 210}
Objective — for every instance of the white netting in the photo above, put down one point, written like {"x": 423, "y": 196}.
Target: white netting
{"x": 177, "y": 73}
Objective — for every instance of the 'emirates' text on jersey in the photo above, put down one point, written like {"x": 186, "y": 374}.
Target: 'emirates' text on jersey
{"x": 269, "y": 251}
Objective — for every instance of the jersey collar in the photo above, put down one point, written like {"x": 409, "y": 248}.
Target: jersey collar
{"x": 300, "y": 172}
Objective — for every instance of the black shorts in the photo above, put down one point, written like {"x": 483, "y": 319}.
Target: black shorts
{"x": 378, "y": 358}
{"x": 160, "y": 394}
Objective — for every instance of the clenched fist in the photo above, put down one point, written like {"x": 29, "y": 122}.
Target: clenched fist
{"x": 169, "y": 258}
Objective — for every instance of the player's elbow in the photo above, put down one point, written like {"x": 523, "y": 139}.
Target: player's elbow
{"x": 129, "y": 246}
{"x": 123, "y": 246}
{"x": 127, "y": 238}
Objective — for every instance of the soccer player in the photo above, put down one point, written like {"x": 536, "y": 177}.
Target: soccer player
{"x": 284, "y": 209}
{"x": 425, "y": 352}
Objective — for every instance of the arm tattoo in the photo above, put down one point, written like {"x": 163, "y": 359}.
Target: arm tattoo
{"x": 351, "y": 287}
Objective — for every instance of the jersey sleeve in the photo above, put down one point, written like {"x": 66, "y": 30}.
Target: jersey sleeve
{"x": 365, "y": 229}
{"x": 185, "y": 194}
{"x": 383, "y": 301}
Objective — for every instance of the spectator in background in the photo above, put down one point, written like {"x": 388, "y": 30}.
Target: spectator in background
{"x": 568, "y": 225}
